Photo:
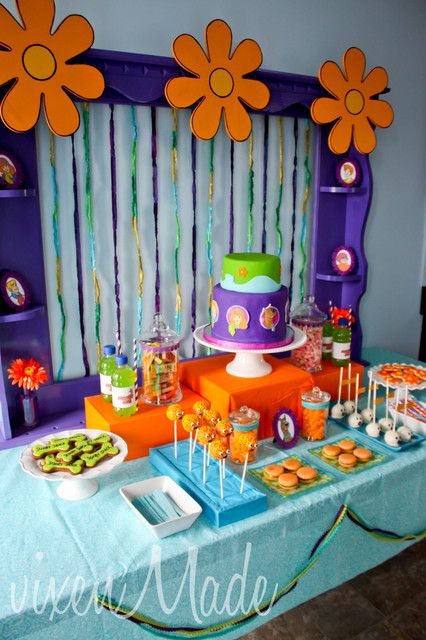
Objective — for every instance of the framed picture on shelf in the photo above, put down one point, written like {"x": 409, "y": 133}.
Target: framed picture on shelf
{"x": 286, "y": 428}
{"x": 348, "y": 173}
{"x": 14, "y": 291}
{"x": 11, "y": 175}
{"x": 343, "y": 260}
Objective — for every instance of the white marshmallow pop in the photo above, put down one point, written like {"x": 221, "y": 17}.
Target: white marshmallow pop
{"x": 392, "y": 437}
{"x": 355, "y": 420}
{"x": 373, "y": 429}
{"x": 338, "y": 410}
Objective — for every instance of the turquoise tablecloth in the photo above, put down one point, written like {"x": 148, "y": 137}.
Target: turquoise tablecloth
{"x": 58, "y": 553}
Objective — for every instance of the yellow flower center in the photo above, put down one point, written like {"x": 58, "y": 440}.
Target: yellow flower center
{"x": 221, "y": 82}
{"x": 29, "y": 371}
{"x": 354, "y": 101}
{"x": 39, "y": 62}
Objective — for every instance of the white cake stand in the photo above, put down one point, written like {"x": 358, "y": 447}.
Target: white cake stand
{"x": 250, "y": 363}
{"x": 83, "y": 485}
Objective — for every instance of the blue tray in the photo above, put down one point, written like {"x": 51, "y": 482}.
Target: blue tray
{"x": 416, "y": 439}
{"x": 234, "y": 506}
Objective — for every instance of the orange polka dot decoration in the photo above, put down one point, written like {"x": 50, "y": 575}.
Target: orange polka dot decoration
{"x": 355, "y": 105}
{"x": 38, "y": 62}
{"x": 218, "y": 83}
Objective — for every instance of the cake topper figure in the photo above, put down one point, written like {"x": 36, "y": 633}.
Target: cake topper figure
{"x": 237, "y": 318}
{"x": 269, "y": 317}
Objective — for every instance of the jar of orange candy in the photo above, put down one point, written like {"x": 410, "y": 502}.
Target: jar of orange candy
{"x": 315, "y": 407}
{"x": 246, "y": 424}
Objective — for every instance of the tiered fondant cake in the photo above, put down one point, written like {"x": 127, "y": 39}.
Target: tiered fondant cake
{"x": 248, "y": 306}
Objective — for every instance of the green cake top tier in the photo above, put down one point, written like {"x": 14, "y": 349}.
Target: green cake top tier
{"x": 251, "y": 272}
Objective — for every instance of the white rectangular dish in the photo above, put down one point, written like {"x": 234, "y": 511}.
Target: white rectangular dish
{"x": 416, "y": 416}
{"x": 188, "y": 505}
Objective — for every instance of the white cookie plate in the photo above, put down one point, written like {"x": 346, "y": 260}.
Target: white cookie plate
{"x": 382, "y": 380}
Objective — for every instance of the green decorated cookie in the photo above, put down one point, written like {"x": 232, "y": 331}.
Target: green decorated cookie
{"x": 43, "y": 450}
{"x": 105, "y": 451}
{"x": 81, "y": 446}
{"x": 102, "y": 439}
{"x": 71, "y": 439}
{"x": 50, "y": 465}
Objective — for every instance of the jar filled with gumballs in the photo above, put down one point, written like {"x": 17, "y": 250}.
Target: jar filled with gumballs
{"x": 307, "y": 317}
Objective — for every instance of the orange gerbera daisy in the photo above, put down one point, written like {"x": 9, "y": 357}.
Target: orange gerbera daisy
{"x": 353, "y": 105}
{"x": 219, "y": 81}
{"x": 28, "y": 374}
{"x": 38, "y": 62}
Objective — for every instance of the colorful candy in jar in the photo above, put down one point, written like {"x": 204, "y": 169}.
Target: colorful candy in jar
{"x": 315, "y": 409}
{"x": 243, "y": 439}
{"x": 309, "y": 319}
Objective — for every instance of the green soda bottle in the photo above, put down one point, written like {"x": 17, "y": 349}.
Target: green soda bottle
{"x": 341, "y": 354}
{"x": 123, "y": 388}
{"x": 327, "y": 340}
{"x": 106, "y": 369}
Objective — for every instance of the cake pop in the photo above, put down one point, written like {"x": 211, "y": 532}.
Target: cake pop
{"x": 392, "y": 437}
{"x": 211, "y": 417}
{"x": 386, "y": 422}
{"x": 219, "y": 451}
{"x": 338, "y": 410}
{"x": 224, "y": 430}
{"x": 206, "y": 435}
{"x": 349, "y": 404}
{"x": 201, "y": 406}
{"x": 175, "y": 413}
{"x": 404, "y": 430}
{"x": 367, "y": 413}
{"x": 372, "y": 429}
{"x": 190, "y": 423}
{"x": 354, "y": 419}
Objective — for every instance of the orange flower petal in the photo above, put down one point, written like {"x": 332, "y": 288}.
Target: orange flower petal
{"x": 332, "y": 78}
{"x": 237, "y": 121}
{"x": 326, "y": 110}
{"x": 380, "y": 113}
{"x": 219, "y": 40}
{"x": 190, "y": 55}
{"x": 83, "y": 80}
{"x": 364, "y": 136}
{"x": 20, "y": 107}
{"x": 74, "y": 35}
{"x": 246, "y": 58}
{"x": 354, "y": 65}
{"x": 205, "y": 119}
{"x": 37, "y": 15}
{"x": 375, "y": 82}
{"x": 10, "y": 30}
{"x": 340, "y": 136}
{"x": 254, "y": 93}
{"x": 61, "y": 113}
{"x": 182, "y": 92}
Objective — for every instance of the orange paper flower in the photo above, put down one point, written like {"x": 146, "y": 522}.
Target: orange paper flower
{"x": 219, "y": 82}
{"x": 353, "y": 105}
{"x": 38, "y": 62}
{"x": 28, "y": 374}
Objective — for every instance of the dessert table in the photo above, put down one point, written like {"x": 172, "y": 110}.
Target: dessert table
{"x": 57, "y": 557}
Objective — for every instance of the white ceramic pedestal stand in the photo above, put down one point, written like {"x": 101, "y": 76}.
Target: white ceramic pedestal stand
{"x": 78, "y": 487}
{"x": 249, "y": 363}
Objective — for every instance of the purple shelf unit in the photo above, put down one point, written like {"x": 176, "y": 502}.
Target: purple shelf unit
{"x": 140, "y": 79}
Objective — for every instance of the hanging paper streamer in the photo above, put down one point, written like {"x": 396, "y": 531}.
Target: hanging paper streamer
{"x": 155, "y": 206}
{"x": 209, "y": 228}
{"x": 57, "y": 245}
{"x": 304, "y": 208}
{"x": 89, "y": 218}
{"x": 293, "y": 218}
{"x": 178, "y": 314}
{"x": 135, "y": 218}
{"x": 114, "y": 218}
{"x": 231, "y": 201}
{"x": 194, "y": 240}
{"x": 265, "y": 179}
{"x": 250, "y": 196}
{"x": 280, "y": 188}
{"x": 79, "y": 269}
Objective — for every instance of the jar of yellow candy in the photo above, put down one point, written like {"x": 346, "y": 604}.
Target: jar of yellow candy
{"x": 315, "y": 408}
{"x": 243, "y": 439}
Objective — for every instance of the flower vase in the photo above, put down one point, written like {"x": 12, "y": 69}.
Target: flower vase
{"x": 28, "y": 408}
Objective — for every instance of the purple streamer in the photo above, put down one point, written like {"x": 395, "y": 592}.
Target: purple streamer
{"x": 77, "y": 238}
{"x": 265, "y": 178}
{"x": 293, "y": 218}
{"x": 155, "y": 207}
{"x": 194, "y": 239}
{"x": 231, "y": 203}
{"x": 114, "y": 217}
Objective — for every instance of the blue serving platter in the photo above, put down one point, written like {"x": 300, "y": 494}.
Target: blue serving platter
{"x": 234, "y": 506}
{"x": 416, "y": 439}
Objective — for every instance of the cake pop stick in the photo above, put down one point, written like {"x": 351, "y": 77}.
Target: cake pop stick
{"x": 367, "y": 414}
{"x": 372, "y": 428}
{"x": 206, "y": 435}
{"x": 355, "y": 419}
{"x": 219, "y": 451}
{"x": 404, "y": 430}
{"x": 338, "y": 410}
{"x": 392, "y": 437}
{"x": 190, "y": 423}
{"x": 349, "y": 404}
{"x": 175, "y": 413}
{"x": 386, "y": 422}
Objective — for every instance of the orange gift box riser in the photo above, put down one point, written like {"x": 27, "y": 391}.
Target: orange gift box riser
{"x": 328, "y": 379}
{"x": 149, "y": 427}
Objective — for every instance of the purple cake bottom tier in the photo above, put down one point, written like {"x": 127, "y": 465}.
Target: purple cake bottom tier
{"x": 248, "y": 317}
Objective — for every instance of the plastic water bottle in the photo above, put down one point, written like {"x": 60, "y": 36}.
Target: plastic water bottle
{"x": 106, "y": 369}
{"x": 123, "y": 388}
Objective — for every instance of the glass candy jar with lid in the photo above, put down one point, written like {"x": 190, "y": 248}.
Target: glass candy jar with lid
{"x": 315, "y": 408}
{"x": 243, "y": 439}
{"x": 307, "y": 317}
{"x": 160, "y": 364}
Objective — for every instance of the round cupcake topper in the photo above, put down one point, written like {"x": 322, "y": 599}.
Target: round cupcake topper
{"x": 286, "y": 428}
{"x": 348, "y": 172}
{"x": 11, "y": 176}
{"x": 343, "y": 260}
{"x": 237, "y": 317}
{"x": 215, "y": 313}
{"x": 269, "y": 317}
{"x": 14, "y": 291}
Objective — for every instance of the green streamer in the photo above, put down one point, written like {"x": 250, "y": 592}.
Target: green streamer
{"x": 57, "y": 245}
{"x": 178, "y": 314}
{"x": 135, "y": 218}
{"x": 308, "y": 177}
{"x": 250, "y": 196}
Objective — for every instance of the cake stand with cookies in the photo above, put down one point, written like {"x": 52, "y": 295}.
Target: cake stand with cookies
{"x": 75, "y": 459}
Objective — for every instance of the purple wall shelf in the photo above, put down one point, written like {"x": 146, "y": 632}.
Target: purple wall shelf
{"x": 140, "y": 79}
